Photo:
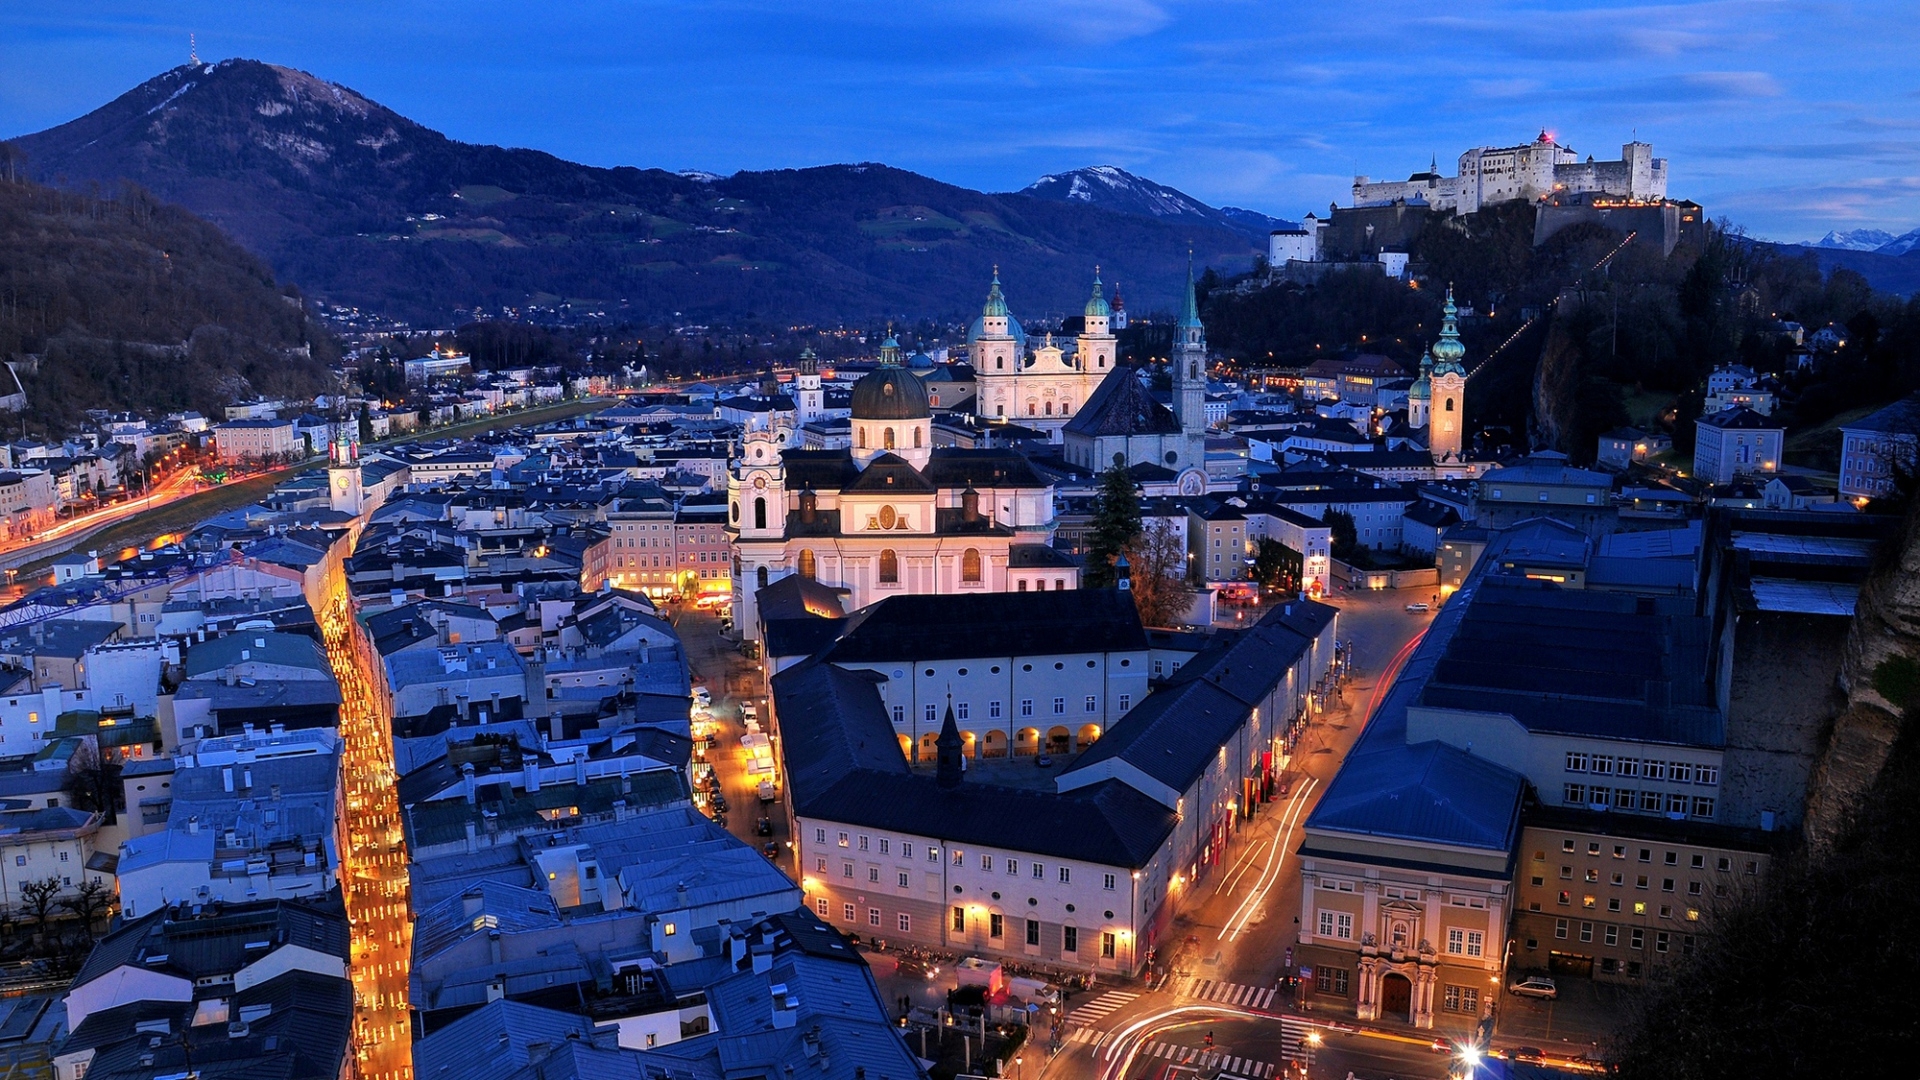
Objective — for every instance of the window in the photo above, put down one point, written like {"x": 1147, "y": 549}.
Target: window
{"x": 1106, "y": 882}
{"x": 1039, "y": 871}
{"x": 960, "y": 710}
{"x": 901, "y": 878}
{"x": 1693, "y": 888}
{"x": 986, "y": 863}
{"x": 993, "y": 710}
{"x": 1560, "y": 928}
{"x": 1059, "y": 706}
{"x": 1093, "y": 703}
{"x": 1336, "y": 924}
{"x": 819, "y": 836}
{"x": 970, "y": 565}
{"x": 884, "y": 845}
{"x": 899, "y": 714}
{"x": 906, "y": 850}
{"x": 873, "y": 916}
{"x": 1026, "y": 706}
{"x": 1456, "y": 941}
{"x": 1066, "y": 876}
{"x": 820, "y": 907}
{"x": 996, "y": 925}
{"x": 846, "y": 870}
{"x": 959, "y": 857}
{"x": 906, "y": 923}
{"x": 1613, "y": 935}
{"x": 1702, "y": 806}
{"x": 889, "y": 567}
{"x": 1661, "y": 939}
{"x": 1637, "y": 938}
{"x": 864, "y": 842}
{"x": 1013, "y": 867}
{"x": 1666, "y": 884}
{"x": 932, "y": 713}
{"x": 1108, "y": 941}
{"x": 1650, "y": 801}
{"x": 846, "y": 912}
{"x": 1033, "y": 932}
{"x": 820, "y": 864}
{"x": 1586, "y": 931}
{"x": 1576, "y": 761}
{"x": 1069, "y": 939}
{"x": 807, "y": 566}
{"x": 1574, "y": 794}
{"x": 1566, "y": 873}
{"x": 1125, "y": 702}
{"x": 1332, "y": 980}
{"x": 1565, "y": 898}
{"x": 1699, "y": 862}
{"x": 959, "y": 920}
{"x": 873, "y": 874}
{"x": 1706, "y": 774}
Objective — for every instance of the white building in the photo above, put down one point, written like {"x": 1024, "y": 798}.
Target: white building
{"x": 1543, "y": 167}
{"x": 1878, "y": 451}
{"x": 1736, "y": 442}
{"x": 1037, "y": 387}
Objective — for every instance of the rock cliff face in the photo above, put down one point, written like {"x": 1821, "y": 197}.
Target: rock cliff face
{"x": 1881, "y": 679}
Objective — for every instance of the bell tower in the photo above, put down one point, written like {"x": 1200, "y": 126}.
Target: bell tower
{"x": 996, "y": 358}
{"x": 1190, "y": 367}
{"x": 1447, "y": 424}
{"x": 343, "y": 468}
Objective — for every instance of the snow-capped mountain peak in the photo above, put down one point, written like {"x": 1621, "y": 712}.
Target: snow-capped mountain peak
{"x": 1853, "y": 240}
{"x": 1904, "y": 244}
{"x": 1113, "y": 188}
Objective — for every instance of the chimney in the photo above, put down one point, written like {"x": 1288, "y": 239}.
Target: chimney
{"x": 473, "y": 843}
{"x": 193, "y": 825}
{"x": 226, "y": 779}
{"x": 580, "y": 770}
{"x": 530, "y": 776}
{"x": 466, "y": 781}
{"x": 786, "y": 1007}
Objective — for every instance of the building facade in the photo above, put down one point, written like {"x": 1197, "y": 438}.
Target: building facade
{"x": 1487, "y": 176}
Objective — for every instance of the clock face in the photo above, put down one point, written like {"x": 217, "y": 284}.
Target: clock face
{"x": 340, "y": 482}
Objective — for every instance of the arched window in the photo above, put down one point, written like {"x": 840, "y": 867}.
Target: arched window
{"x": 807, "y": 565}
{"x": 1193, "y": 370}
{"x": 887, "y": 438}
{"x": 1449, "y": 404}
{"x": 1100, "y": 359}
{"x": 970, "y": 565}
{"x": 1066, "y": 407}
{"x": 1049, "y": 408}
{"x": 1031, "y": 411}
{"x": 889, "y": 567}
{"x": 736, "y": 515}
{"x": 860, "y": 437}
{"x": 916, "y": 438}
{"x": 763, "y": 577}
{"x": 759, "y": 513}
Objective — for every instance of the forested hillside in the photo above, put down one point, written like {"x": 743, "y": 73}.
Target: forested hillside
{"x": 124, "y": 302}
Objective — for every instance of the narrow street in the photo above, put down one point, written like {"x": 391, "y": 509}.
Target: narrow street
{"x": 373, "y": 876}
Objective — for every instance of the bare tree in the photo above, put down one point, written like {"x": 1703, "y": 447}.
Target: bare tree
{"x": 38, "y": 898}
{"x": 88, "y": 902}
{"x": 93, "y": 779}
{"x": 1157, "y": 560}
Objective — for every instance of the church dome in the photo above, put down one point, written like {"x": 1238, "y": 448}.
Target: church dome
{"x": 1448, "y": 353}
{"x": 1421, "y": 390}
{"x": 890, "y": 393}
{"x": 1097, "y": 305}
{"x": 920, "y": 361}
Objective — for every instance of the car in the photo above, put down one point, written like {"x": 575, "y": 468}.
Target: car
{"x": 763, "y": 827}
{"x": 1526, "y": 1053}
{"x": 1043, "y": 761}
{"x": 1414, "y": 608}
{"x": 771, "y": 850}
{"x": 1441, "y": 1046}
{"x": 1536, "y": 986}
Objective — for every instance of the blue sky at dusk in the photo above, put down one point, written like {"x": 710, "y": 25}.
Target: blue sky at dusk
{"x": 1789, "y": 118}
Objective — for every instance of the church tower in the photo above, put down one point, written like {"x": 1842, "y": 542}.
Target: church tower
{"x": 1448, "y": 422}
{"x": 1190, "y": 367}
{"x": 808, "y": 399}
{"x": 996, "y": 356}
{"x": 1094, "y": 350}
{"x": 343, "y": 467}
{"x": 1420, "y": 397}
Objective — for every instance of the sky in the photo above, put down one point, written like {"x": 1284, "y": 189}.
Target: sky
{"x": 1787, "y": 118}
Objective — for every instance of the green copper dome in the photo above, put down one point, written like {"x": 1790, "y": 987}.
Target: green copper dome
{"x": 1097, "y": 307}
{"x": 1448, "y": 353}
{"x": 996, "y": 304}
{"x": 1421, "y": 389}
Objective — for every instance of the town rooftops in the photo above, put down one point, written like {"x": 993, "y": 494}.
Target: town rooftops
{"x": 1902, "y": 419}
{"x": 1546, "y": 467}
{"x": 219, "y": 942}
{"x": 1741, "y": 418}
{"x": 256, "y": 647}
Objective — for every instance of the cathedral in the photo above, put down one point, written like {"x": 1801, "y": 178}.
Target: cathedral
{"x": 1037, "y": 386}
{"x": 892, "y": 514}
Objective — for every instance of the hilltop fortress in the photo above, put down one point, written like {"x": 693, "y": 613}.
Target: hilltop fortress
{"x": 1533, "y": 171}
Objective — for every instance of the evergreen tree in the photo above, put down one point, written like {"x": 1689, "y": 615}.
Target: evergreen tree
{"x": 1116, "y": 523}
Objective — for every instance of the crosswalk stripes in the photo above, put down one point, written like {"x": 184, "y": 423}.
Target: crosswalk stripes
{"x": 1205, "y": 1059}
{"x": 1293, "y": 1036}
{"x": 1111, "y": 1001}
{"x": 1226, "y": 993}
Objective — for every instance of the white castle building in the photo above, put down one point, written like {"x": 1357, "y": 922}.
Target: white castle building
{"x": 1542, "y": 167}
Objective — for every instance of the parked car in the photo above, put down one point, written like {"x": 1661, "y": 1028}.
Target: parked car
{"x": 1418, "y": 607}
{"x": 763, "y": 827}
{"x": 771, "y": 850}
{"x": 1536, "y": 986}
{"x": 1526, "y": 1053}
{"x": 1043, "y": 761}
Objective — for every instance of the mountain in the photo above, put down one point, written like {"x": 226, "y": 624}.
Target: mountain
{"x": 1853, "y": 240}
{"x": 1904, "y": 244}
{"x": 129, "y": 303}
{"x": 362, "y": 206}
{"x": 1113, "y": 188}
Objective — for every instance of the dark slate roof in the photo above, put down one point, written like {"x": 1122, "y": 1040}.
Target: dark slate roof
{"x": 1178, "y": 730}
{"x": 1038, "y": 557}
{"x": 798, "y": 597}
{"x": 493, "y": 1041}
{"x": 801, "y": 637}
{"x": 1121, "y": 406}
{"x": 844, "y": 765}
{"x": 1580, "y": 662}
{"x": 1739, "y": 417}
{"x": 216, "y": 943}
{"x": 1900, "y": 418}
{"x": 892, "y": 474}
{"x": 1010, "y": 624}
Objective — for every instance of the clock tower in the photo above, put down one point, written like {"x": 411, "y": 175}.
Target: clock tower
{"x": 343, "y": 468}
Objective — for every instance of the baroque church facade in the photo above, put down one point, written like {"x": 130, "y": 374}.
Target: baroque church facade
{"x": 1041, "y": 387}
{"x": 891, "y": 514}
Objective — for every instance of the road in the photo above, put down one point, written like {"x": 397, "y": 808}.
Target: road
{"x": 373, "y": 876}
{"x": 733, "y": 681}
{"x": 1227, "y": 956}
{"x": 75, "y": 530}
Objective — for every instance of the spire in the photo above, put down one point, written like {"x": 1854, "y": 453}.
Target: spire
{"x": 1448, "y": 353}
{"x": 890, "y": 348}
{"x": 1190, "y": 314}
{"x": 949, "y": 764}
{"x": 1097, "y": 306}
{"x": 996, "y": 303}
